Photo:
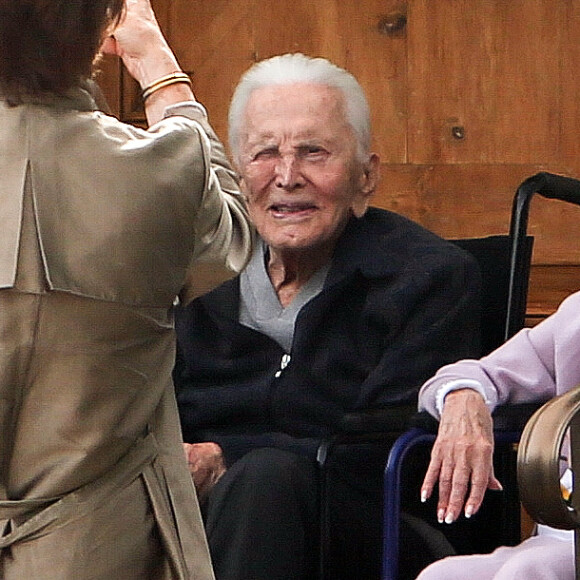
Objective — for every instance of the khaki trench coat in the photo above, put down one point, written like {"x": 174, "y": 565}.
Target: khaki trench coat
{"x": 102, "y": 226}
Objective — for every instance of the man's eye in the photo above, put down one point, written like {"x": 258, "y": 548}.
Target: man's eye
{"x": 313, "y": 151}
{"x": 265, "y": 154}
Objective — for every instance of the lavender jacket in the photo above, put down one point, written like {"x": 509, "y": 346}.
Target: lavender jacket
{"x": 536, "y": 364}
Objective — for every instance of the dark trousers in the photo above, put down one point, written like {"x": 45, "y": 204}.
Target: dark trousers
{"x": 262, "y": 518}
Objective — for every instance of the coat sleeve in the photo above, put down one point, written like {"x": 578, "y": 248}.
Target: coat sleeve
{"x": 223, "y": 229}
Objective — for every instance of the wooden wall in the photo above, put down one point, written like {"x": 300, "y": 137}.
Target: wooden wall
{"x": 469, "y": 97}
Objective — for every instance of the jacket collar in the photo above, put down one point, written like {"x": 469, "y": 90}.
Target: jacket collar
{"x": 225, "y": 299}
{"x": 359, "y": 249}
{"x": 362, "y": 247}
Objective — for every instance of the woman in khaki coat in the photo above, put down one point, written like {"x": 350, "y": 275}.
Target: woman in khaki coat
{"x": 103, "y": 225}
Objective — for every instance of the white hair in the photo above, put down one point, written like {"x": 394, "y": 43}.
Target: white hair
{"x": 294, "y": 68}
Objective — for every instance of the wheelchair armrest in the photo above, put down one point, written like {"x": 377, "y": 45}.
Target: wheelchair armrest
{"x": 509, "y": 421}
{"x": 385, "y": 420}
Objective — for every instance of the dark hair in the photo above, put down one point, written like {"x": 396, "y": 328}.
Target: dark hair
{"x": 49, "y": 46}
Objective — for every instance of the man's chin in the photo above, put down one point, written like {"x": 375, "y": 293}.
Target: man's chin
{"x": 298, "y": 244}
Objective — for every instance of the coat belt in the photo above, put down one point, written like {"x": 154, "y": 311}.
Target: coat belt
{"x": 52, "y": 512}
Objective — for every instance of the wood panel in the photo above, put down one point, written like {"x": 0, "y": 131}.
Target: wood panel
{"x": 549, "y": 285}
{"x": 569, "y": 105}
{"x": 475, "y": 200}
{"x": 494, "y": 69}
{"x": 214, "y": 42}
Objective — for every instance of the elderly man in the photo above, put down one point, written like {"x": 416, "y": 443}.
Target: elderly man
{"x": 340, "y": 309}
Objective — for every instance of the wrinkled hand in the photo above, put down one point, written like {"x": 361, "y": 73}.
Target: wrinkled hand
{"x": 462, "y": 456}
{"x": 139, "y": 42}
{"x": 206, "y": 465}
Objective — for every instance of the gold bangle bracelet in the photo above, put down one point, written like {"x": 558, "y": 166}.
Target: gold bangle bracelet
{"x": 165, "y": 81}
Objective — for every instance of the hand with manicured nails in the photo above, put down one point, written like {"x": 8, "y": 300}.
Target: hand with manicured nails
{"x": 462, "y": 456}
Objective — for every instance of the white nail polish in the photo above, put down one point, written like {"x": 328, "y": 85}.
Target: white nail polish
{"x": 449, "y": 518}
{"x": 423, "y": 496}
{"x": 469, "y": 511}
{"x": 440, "y": 516}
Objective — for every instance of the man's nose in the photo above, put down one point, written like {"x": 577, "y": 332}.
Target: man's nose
{"x": 288, "y": 174}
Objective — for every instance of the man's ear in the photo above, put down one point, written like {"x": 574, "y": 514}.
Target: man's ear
{"x": 371, "y": 172}
{"x": 369, "y": 180}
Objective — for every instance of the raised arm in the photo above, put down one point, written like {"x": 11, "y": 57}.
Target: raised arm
{"x": 222, "y": 226}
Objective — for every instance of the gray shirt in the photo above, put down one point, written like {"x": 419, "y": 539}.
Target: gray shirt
{"x": 260, "y": 307}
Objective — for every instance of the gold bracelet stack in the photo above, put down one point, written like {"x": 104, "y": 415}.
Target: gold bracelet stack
{"x": 170, "y": 79}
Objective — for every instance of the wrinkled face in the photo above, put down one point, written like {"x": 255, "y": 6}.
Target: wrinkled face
{"x": 299, "y": 166}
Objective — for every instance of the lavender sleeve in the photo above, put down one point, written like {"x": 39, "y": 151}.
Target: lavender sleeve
{"x": 535, "y": 364}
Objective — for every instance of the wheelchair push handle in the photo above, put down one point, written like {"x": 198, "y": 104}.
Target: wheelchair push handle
{"x": 556, "y": 186}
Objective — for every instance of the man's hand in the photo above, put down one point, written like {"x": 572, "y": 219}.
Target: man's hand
{"x": 206, "y": 465}
{"x": 462, "y": 456}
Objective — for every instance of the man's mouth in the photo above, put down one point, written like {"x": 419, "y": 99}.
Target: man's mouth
{"x": 291, "y": 209}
